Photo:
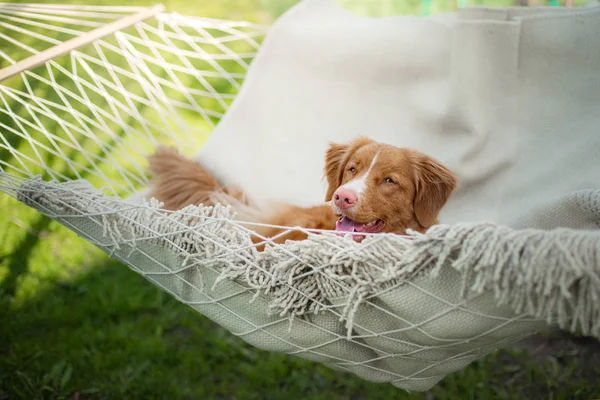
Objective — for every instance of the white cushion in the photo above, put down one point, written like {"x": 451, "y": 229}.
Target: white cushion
{"x": 508, "y": 98}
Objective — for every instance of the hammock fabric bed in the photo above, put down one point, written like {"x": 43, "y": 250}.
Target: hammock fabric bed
{"x": 507, "y": 98}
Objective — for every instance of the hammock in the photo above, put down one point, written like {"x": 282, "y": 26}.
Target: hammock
{"x": 508, "y": 98}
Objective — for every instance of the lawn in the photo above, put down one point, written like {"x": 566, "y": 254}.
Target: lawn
{"x": 75, "y": 324}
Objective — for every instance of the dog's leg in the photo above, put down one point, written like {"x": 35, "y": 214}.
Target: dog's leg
{"x": 321, "y": 217}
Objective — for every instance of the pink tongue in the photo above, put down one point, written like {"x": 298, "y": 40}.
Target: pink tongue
{"x": 347, "y": 225}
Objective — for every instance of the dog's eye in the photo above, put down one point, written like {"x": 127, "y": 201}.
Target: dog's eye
{"x": 389, "y": 180}
{"x": 352, "y": 169}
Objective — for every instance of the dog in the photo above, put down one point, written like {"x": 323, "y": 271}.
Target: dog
{"x": 372, "y": 188}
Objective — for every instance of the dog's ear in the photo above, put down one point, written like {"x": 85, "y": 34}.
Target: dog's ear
{"x": 336, "y": 158}
{"x": 333, "y": 164}
{"x": 434, "y": 185}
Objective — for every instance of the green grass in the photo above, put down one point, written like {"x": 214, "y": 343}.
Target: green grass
{"x": 75, "y": 324}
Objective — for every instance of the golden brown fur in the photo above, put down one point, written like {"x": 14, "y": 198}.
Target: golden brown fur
{"x": 179, "y": 181}
{"x": 420, "y": 187}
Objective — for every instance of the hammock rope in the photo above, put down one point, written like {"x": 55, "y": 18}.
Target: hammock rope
{"x": 294, "y": 280}
{"x": 74, "y": 133}
{"x": 112, "y": 82}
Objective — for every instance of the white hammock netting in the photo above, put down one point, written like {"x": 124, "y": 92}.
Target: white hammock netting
{"x": 74, "y": 133}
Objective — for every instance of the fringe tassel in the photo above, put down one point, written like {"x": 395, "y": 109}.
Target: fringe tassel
{"x": 549, "y": 274}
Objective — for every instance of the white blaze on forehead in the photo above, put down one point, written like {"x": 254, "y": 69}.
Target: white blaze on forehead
{"x": 358, "y": 185}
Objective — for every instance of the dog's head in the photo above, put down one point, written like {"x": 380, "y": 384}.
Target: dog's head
{"x": 376, "y": 187}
